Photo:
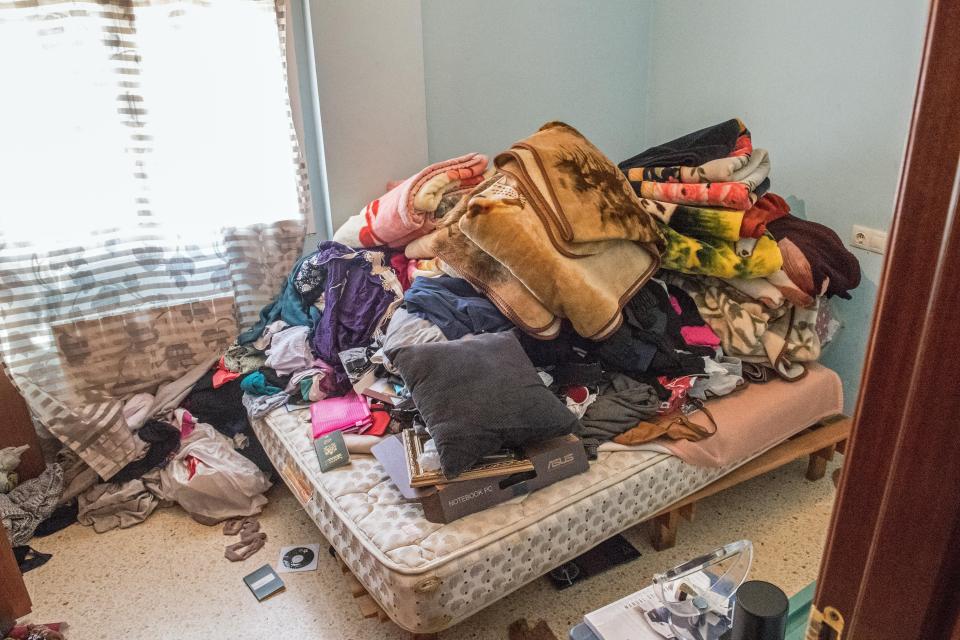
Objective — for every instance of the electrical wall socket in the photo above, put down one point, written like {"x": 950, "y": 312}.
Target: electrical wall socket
{"x": 869, "y": 239}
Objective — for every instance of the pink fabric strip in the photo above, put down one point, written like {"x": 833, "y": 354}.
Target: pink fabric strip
{"x": 761, "y": 416}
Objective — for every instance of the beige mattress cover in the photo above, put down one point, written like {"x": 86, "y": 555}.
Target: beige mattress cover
{"x": 761, "y": 416}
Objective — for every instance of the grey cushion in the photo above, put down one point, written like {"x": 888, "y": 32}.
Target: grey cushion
{"x": 478, "y": 395}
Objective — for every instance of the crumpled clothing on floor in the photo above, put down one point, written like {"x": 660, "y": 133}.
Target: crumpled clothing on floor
{"x": 30, "y": 503}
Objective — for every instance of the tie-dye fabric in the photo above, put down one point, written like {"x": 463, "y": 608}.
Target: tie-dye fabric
{"x": 718, "y": 258}
{"x": 708, "y": 223}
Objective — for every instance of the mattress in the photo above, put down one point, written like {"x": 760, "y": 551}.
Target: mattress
{"x": 428, "y": 576}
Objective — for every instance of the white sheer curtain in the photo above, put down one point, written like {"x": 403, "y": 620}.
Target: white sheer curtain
{"x": 152, "y": 198}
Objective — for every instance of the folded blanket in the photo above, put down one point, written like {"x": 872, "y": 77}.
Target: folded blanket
{"x": 790, "y": 290}
{"x": 734, "y": 195}
{"x": 768, "y": 208}
{"x": 697, "y": 148}
{"x": 462, "y": 258}
{"x": 709, "y": 223}
{"x": 718, "y": 257}
{"x": 741, "y": 163}
{"x": 556, "y": 233}
{"x": 783, "y": 338}
{"x": 567, "y": 226}
{"x": 815, "y": 259}
{"x": 407, "y": 211}
{"x": 760, "y": 289}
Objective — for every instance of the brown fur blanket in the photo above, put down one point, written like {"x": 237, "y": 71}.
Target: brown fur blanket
{"x": 556, "y": 233}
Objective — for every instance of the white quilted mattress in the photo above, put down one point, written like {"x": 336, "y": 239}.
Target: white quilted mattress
{"x": 428, "y": 576}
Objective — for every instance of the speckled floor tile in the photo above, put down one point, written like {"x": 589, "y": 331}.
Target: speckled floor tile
{"x": 167, "y": 578}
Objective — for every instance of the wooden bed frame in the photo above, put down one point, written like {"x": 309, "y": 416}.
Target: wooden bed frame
{"x": 819, "y": 442}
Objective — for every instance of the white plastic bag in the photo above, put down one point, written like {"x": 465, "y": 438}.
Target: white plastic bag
{"x": 209, "y": 479}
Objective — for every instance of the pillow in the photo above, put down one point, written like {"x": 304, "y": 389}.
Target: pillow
{"x": 478, "y": 395}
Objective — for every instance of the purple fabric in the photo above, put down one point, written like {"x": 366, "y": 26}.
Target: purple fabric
{"x": 355, "y": 301}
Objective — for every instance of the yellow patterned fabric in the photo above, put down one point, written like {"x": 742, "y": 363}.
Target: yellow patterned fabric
{"x": 709, "y": 223}
{"x": 718, "y": 258}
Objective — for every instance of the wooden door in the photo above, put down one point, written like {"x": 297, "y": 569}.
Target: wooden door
{"x": 891, "y": 567}
{"x": 16, "y": 429}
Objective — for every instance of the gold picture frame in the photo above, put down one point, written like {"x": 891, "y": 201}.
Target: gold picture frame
{"x": 413, "y": 447}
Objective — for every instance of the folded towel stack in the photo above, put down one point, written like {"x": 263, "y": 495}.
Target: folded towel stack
{"x": 411, "y": 208}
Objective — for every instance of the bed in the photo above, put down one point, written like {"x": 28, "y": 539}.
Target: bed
{"x": 427, "y": 577}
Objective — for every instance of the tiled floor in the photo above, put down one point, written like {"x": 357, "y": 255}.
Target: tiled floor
{"x": 167, "y": 578}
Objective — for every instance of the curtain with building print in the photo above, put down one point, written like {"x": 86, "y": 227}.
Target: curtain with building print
{"x": 152, "y": 199}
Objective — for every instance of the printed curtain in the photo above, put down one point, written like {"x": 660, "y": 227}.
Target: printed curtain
{"x": 152, "y": 199}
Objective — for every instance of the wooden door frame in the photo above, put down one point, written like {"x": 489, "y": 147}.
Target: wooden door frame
{"x": 891, "y": 566}
{"x": 16, "y": 428}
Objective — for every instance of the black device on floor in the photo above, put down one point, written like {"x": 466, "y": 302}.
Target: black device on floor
{"x": 607, "y": 554}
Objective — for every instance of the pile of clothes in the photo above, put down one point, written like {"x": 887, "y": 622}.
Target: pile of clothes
{"x": 493, "y": 307}
{"x": 636, "y": 292}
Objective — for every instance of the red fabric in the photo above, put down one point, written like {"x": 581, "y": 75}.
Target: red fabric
{"x": 380, "y": 420}
{"x": 22, "y": 631}
{"x": 577, "y": 393}
{"x": 743, "y": 146}
{"x": 400, "y": 265}
{"x": 678, "y": 388}
{"x": 676, "y": 305}
{"x": 223, "y": 375}
{"x": 768, "y": 208}
{"x": 700, "y": 336}
{"x": 192, "y": 463}
{"x": 797, "y": 268}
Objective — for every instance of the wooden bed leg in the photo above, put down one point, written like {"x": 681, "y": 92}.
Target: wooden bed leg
{"x": 424, "y": 636}
{"x": 665, "y": 527}
{"x": 817, "y": 467}
{"x": 688, "y": 511}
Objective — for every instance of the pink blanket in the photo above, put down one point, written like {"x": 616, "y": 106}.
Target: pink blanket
{"x": 406, "y": 211}
{"x": 762, "y": 416}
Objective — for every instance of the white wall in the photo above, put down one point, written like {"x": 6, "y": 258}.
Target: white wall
{"x": 369, "y": 60}
{"x": 498, "y": 69}
{"x": 827, "y": 87}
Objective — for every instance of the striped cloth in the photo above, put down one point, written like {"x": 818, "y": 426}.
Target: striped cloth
{"x": 150, "y": 205}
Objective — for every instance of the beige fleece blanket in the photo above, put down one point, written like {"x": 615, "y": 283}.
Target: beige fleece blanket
{"x": 556, "y": 233}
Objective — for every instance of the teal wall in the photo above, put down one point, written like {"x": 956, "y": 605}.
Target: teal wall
{"x": 826, "y": 87}
{"x": 496, "y": 70}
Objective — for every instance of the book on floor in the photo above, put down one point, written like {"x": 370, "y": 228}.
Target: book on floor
{"x": 264, "y": 582}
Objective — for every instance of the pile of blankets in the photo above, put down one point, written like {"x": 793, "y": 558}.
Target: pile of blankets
{"x": 556, "y": 233}
{"x": 558, "y": 240}
{"x": 715, "y": 167}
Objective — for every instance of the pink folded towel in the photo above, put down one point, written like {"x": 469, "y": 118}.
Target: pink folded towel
{"x": 406, "y": 211}
{"x": 347, "y": 413}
